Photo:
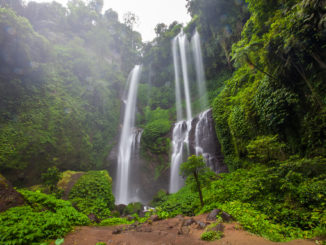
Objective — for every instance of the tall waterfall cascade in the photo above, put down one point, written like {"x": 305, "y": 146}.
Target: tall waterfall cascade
{"x": 199, "y": 68}
{"x": 191, "y": 135}
{"x": 129, "y": 141}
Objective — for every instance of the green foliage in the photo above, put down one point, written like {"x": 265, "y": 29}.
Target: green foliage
{"x": 258, "y": 223}
{"x": 115, "y": 221}
{"x": 160, "y": 197}
{"x": 185, "y": 202}
{"x": 59, "y": 91}
{"x": 100, "y": 243}
{"x": 92, "y": 194}
{"x": 277, "y": 191}
{"x": 51, "y": 178}
{"x": 282, "y": 202}
{"x": 154, "y": 136}
{"x": 277, "y": 85}
{"x": 162, "y": 214}
{"x": 44, "y": 217}
{"x": 193, "y": 164}
{"x": 133, "y": 208}
{"x": 211, "y": 235}
{"x": 266, "y": 148}
{"x": 59, "y": 241}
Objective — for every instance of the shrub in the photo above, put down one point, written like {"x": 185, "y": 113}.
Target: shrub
{"x": 51, "y": 177}
{"x": 92, "y": 194}
{"x": 266, "y": 148}
{"x": 45, "y": 217}
{"x": 133, "y": 208}
{"x": 153, "y": 136}
{"x": 160, "y": 197}
{"x": 211, "y": 235}
{"x": 185, "y": 201}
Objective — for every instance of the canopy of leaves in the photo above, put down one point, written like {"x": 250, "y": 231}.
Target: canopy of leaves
{"x": 62, "y": 71}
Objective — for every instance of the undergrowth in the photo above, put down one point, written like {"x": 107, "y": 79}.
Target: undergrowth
{"x": 281, "y": 202}
{"x": 43, "y": 217}
{"x": 92, "y": 194}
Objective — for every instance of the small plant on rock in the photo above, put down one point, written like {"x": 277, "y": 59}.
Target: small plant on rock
{"x": 211, "y": 235}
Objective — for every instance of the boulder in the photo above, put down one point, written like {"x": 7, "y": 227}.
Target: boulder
{"x": 212, "y": 215}
{"x": 117, "y": 231}
{"x": 93, "y": 218}
{"x": 201, "y": 225}
{"x": 9, "y": 197}
{"x": 189, "y": 222}
{"x": 219, "y": 228}
{"x": 154, "y": 218}
{"x": 226, "y": 217}
{"x": 183, "y": 231}
{"x": 130, "y": 218}
{"x": 120, "y": 208}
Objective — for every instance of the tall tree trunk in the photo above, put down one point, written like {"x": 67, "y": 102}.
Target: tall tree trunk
{"x": 199, "y": 190}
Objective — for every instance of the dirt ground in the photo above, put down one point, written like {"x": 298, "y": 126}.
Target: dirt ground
{"x": 166, "y": 232}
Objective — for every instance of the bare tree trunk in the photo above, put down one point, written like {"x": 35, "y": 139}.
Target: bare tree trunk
{"x": 199, "y": 189}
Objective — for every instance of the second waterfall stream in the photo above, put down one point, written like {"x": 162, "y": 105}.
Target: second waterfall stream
{"x": 191, "y": 135}
{"x": 129, "y": 141}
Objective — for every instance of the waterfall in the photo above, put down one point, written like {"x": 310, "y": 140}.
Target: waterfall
{"x": 179, "y": 136}
{"x": 128, "y": 139}
{"x": 199, "y": 68}
{"x": 177, "y": 78}
{"x": 183, "y": 43}
{"x": 193, "y": 135}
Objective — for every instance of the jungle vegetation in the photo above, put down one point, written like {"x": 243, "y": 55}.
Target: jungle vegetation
{"x": 63, "y": 72}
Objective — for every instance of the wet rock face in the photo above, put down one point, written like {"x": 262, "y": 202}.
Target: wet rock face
{"x": 203, "y": 141}
{"x": 9, "y": 197}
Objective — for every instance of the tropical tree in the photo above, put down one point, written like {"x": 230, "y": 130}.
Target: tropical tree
{"x": 194, "y": 166}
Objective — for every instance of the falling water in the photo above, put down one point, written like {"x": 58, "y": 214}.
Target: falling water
{"x": 183, "y": 43}
{"x": 199, "y": 67}
{"x": 203, "y": 134}
{"x": 179, "y": 136}
{"x": 177, "y": 78}
{"x": 193, "y": 135}
{"x": 127, "y": 139}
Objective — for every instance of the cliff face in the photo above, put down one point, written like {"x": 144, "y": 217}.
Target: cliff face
{"x": 203, "y": 141}
{"x": 9, "y": 197}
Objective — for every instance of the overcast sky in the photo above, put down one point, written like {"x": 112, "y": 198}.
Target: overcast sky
{"x": 150, "y": 12}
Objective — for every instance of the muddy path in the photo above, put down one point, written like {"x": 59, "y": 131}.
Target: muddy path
{"x": 166, "y": 232}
